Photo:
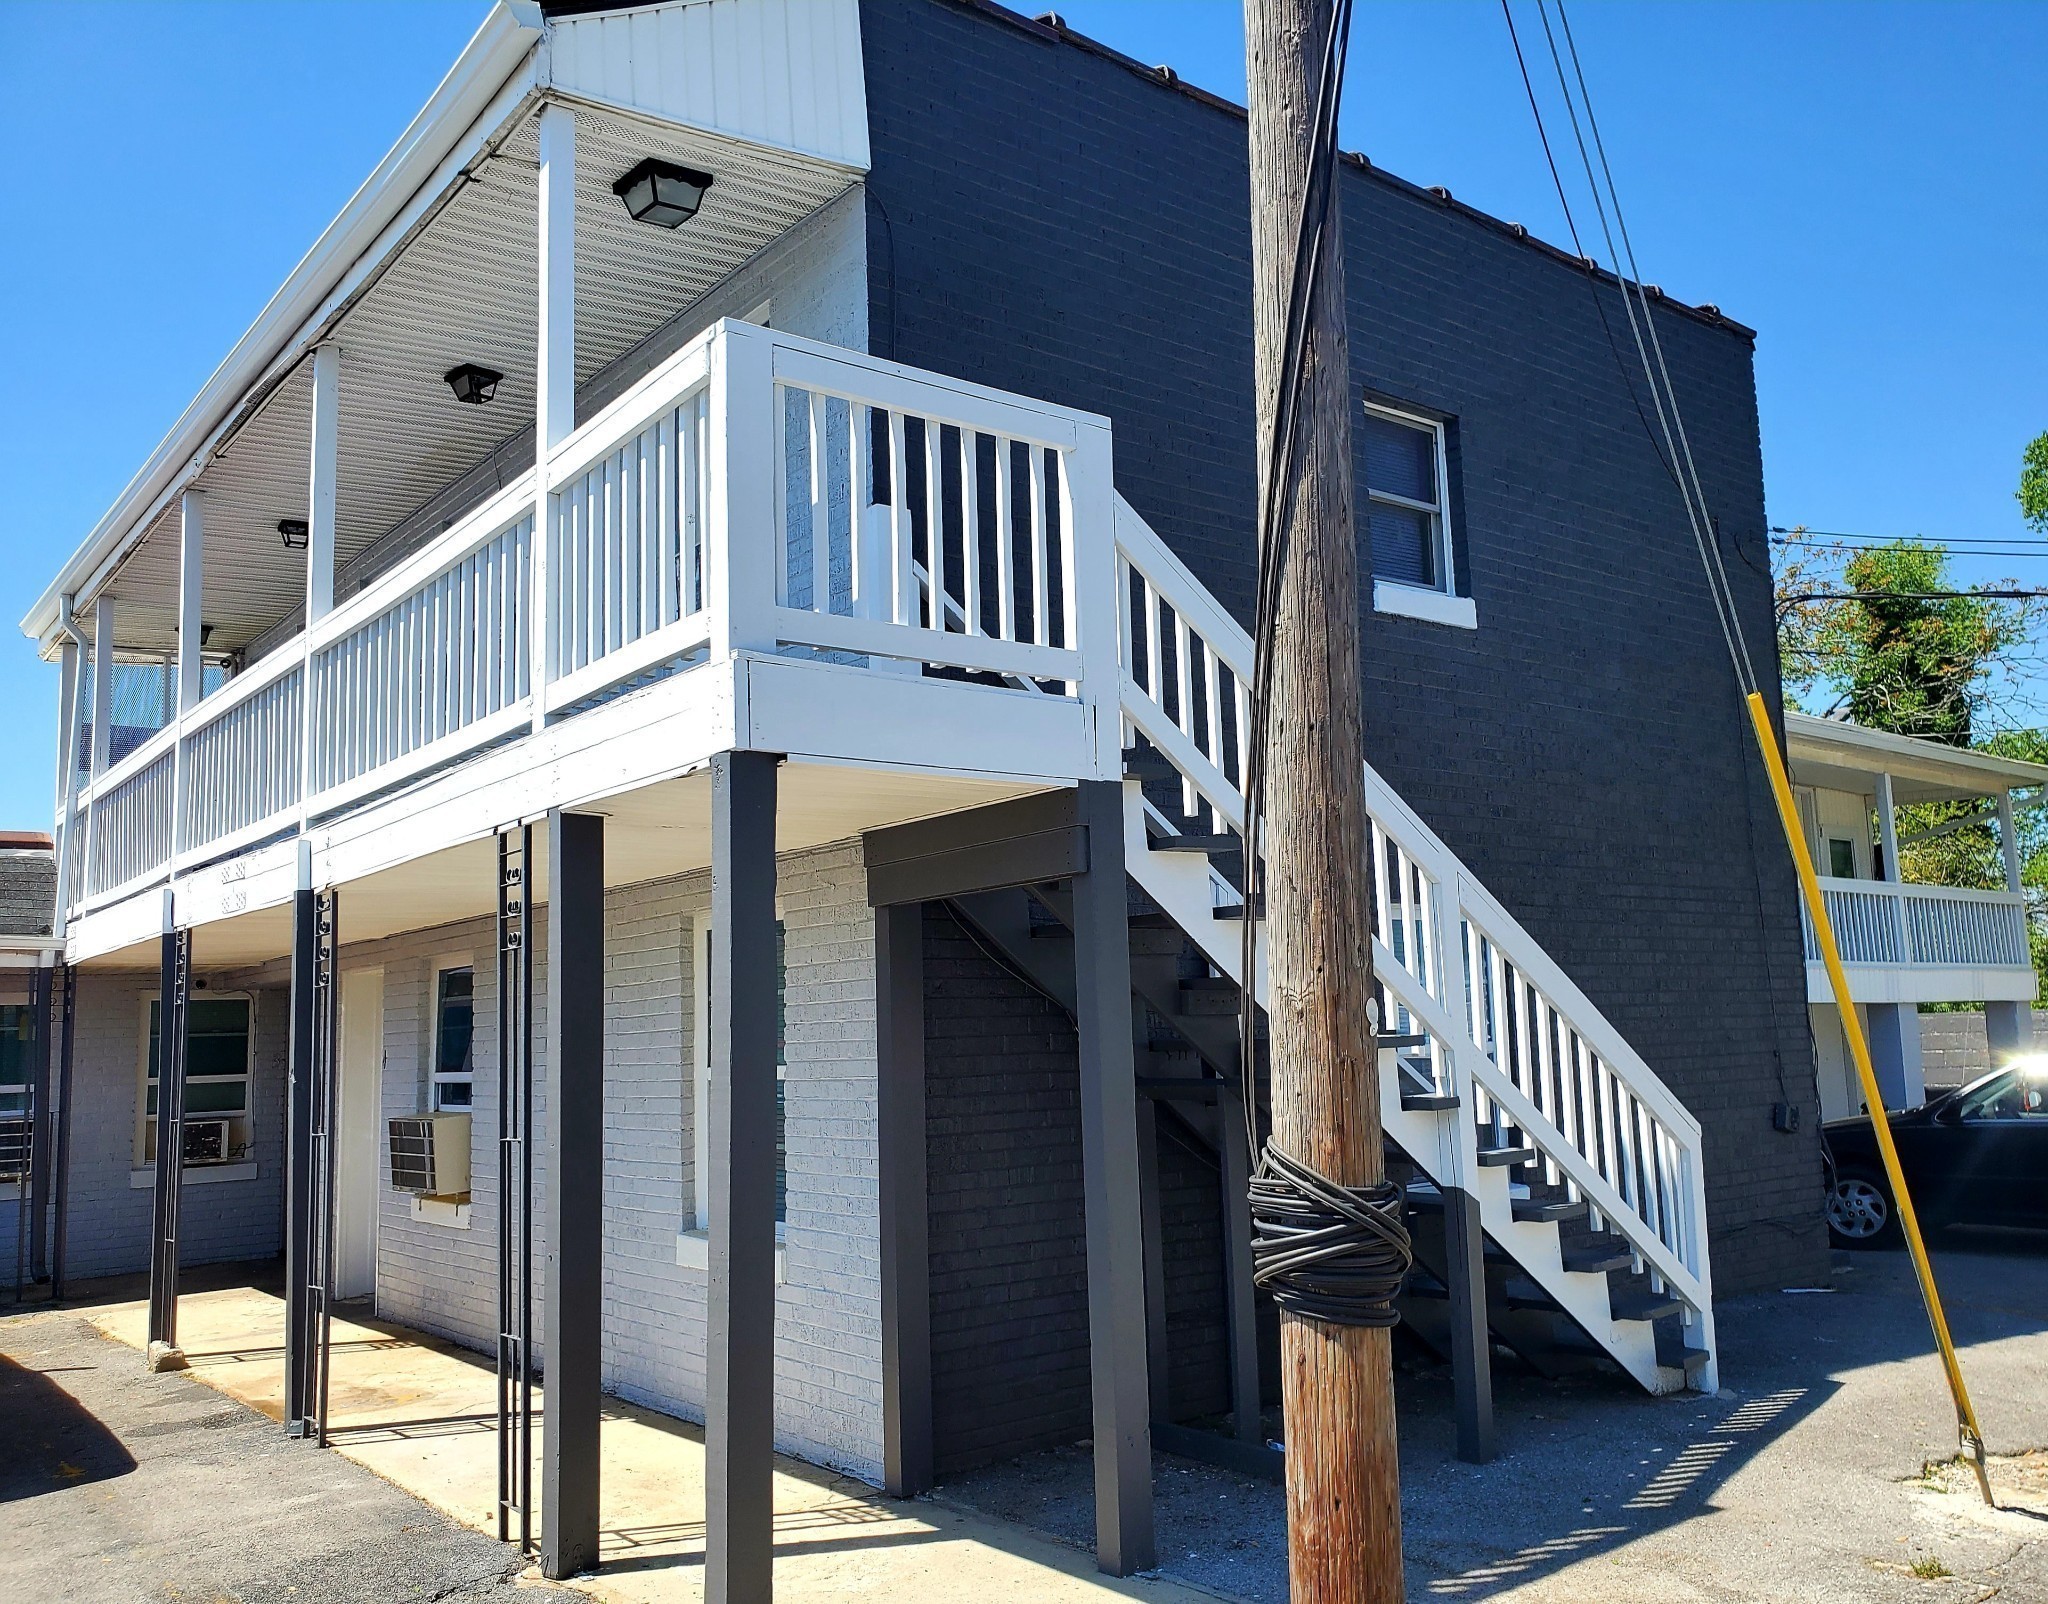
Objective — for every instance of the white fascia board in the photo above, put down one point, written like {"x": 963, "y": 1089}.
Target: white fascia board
{"x": 349, "y": 246}
{"x": 1845, "y": 745}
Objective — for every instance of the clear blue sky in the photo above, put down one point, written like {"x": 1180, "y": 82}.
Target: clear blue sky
{"x": 1864, "y": 183}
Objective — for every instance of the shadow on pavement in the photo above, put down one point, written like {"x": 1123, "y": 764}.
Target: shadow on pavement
{"x": 48, "y": 1439}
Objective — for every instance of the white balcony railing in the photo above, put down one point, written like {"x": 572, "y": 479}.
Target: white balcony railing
{"x": 1915, "y": 926}
{"x": 756, "y": 492}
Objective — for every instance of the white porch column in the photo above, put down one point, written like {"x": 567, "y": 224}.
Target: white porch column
{"x": 102, "y": 685}
{"x": 554, "y": 369}
{"x": 320, "y": 501}
{"x": 70, "y": 726}
{"x": 191, "y": 543}
{"x": 2009, "y": 841}
{"x": 1888, "y": 828}
{"x": 1894, "y": 1033}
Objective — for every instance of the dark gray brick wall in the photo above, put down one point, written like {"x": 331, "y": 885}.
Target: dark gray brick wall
{"x": 1045, "y": 219}
{"x": 28, "y": 892}
{"x": 1009, "y": 1262}
{"x": 1191, "y": 1241}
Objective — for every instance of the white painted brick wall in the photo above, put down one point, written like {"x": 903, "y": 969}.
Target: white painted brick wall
{"x": 109, "y": 1225}
{"x": 828, "y": 1312}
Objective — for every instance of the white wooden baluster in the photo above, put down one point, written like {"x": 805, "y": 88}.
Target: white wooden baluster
{"x": 970, "y": 531}
{"x": 904, "y": 600}
{"x": 860, "y": 541}
{"x": 1184, "y": 712}
{"x": 1041, "y": 576}
{"x": 821, "y": 528}
{"x": 934, "y": 528}
{"x": 1006, "y": 543}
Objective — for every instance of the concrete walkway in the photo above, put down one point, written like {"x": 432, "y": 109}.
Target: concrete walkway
{"x": 422, "y": 1415}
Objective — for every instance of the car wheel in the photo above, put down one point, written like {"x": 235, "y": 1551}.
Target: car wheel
{"x": 1860, "y": 1212}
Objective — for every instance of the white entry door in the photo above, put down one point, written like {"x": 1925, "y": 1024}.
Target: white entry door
{"x": 359, "y": 1134}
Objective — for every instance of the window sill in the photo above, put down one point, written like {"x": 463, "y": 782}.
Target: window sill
{"x": 141, "y": 1180}
{"x": 1431, "y": 606}
{"x": 693, "y": 1252}
{"x": 440, "y": 1211}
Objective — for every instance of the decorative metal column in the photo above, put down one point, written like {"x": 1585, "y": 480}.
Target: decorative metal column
{"x": 163, "y": 1351}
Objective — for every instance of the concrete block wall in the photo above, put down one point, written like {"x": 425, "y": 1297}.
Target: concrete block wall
{"x": 828, "y": 1308}
{"x": 1045, "y": 218}
{"x": 109, "y": 1218}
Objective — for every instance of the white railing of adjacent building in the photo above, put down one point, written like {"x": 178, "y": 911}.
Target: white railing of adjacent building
{"x": 1507, "y": 1030}
{"x": 755, "y": 492}
{"x": 1889, "y": 922}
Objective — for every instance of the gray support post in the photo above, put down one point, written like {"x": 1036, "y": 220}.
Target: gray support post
{"x": 572, "y": 1329}
{"x": 41, "y": 1128}
{"x": 1471, "y": 1340}
{"x": 298, "y": 1164}
{"x": 163, "y": 1352}
{"x": 60, "y": 1233}
{"x": 1109, "y": 1162}
{"x": 739, "y": 1405}
{"x": 1158, "y": 1394}
{"x": 905, "y": 1214}
{"x": 1247, "y": 1400}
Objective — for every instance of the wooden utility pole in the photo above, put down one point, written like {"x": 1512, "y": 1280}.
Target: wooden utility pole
{"x": 1343, "y": 1486}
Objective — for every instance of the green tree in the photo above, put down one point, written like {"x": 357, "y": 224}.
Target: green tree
{"x": 2033, "y": 491}
{"x": 1903, "y": 653}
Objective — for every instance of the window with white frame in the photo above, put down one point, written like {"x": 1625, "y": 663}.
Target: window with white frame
{"x": 1408, "y": 514}
{"x": 700, "y": 1112}
{"x": 218, "y": 1053}
{"x": 454, "y": 1073}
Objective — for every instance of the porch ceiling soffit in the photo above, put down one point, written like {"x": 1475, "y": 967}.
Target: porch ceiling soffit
{"x": 463, "y": 290}
{"x": 1834, "y": 756}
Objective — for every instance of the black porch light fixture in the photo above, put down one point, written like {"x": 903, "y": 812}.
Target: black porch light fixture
{"x": 294, "y": 533}
{"x": 472, "y": 384}
{"x": 662, "y": 193}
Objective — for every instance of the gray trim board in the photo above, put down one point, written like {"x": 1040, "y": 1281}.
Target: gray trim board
{"x": 1026, "y": 841}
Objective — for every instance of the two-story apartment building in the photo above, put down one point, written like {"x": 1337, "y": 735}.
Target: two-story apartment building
{"x": 699, "y": 677}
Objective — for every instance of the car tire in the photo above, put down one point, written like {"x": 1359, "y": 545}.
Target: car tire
{"x": 1860, "y": 1211}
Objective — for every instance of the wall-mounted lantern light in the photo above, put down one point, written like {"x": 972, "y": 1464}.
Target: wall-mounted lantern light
{"x": 662, "y": 193}
{"x": 472, "y": 384}
{"x": 293, "y": 532}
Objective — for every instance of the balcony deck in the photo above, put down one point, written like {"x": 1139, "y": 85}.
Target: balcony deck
{"x": 1906, "y": 943}
{"x": 904, "y": 583}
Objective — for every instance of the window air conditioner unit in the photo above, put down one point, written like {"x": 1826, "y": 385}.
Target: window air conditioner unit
{"x": 430, "y": 1155}
{"x": 206, "y": 1141}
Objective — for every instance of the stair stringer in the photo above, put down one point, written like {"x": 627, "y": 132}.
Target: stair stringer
{"x": 1442, "y": 1143}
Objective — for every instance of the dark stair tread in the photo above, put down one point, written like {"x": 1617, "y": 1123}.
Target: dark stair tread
{"x": 1506, "y": 1157}
{"x": 1674, "y": 1353}
{"x": 1234, "y": 910}
{"x": 1596, "y": 1258}
{"x": 1538, "y": 1210}
{"x": 1527, "y": 1295}
{"x": 1428, "y": 1102}
{"x": 1209, "y": 983}
{"x": 1643, "y": 1305}
{"x": 1192, "y": 843}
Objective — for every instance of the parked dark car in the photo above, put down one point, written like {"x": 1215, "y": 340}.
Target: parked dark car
{"x": 1976, "y": 1156}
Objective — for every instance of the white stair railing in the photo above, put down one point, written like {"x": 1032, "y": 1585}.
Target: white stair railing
{"x": 1507, "y": 1028}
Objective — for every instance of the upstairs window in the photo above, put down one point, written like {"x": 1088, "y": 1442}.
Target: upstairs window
{"x": 17, "y": 1041}
{"x": 454, "y": 1040}
{"x": 1407, "y": 506}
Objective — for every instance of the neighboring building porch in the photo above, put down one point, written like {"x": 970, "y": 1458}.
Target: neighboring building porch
{"x": 1904, "y": 944}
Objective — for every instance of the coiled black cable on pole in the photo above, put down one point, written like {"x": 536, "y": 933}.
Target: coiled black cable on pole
{"x": 1323, "y": 1251}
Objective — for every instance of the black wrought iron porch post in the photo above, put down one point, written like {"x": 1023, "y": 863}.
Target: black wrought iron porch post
{"x": 163, "y": 1351}
{"x": 298, "y": 1233}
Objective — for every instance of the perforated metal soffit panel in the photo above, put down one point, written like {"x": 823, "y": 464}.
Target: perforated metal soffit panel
{"x": 464, "y": 290}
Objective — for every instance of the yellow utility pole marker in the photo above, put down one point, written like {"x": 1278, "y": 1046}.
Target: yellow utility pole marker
{"x": 1873, "y": 1099}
